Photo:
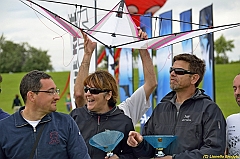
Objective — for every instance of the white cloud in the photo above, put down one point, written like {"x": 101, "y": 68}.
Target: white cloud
{"x": 20, "y": 24}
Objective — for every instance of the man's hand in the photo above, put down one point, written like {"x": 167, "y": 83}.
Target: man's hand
{"x": 134, "y": 139}
{"x": 112, "y": 157}
{"x": 165, "y": 157}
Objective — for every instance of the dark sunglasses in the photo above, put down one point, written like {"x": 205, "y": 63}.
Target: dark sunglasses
{"x": 94, "y": 90}
{"x": 180, "y": 71}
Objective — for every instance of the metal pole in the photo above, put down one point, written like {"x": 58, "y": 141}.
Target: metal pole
{"x": 95, "y": 4}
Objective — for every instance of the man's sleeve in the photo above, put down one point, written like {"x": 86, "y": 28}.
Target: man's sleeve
{"x": 76, "y": 145}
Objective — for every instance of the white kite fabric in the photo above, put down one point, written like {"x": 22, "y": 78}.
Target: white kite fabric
{"x": 117, "y": 30}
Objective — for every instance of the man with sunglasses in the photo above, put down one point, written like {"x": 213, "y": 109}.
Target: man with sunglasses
{"x": 134, "y": 106}
{"x": 2, "y": 113}
{"x": 37, "y": 130}
{"x": 187, "y": 113}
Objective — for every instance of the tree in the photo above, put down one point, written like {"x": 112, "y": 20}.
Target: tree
{"x": 36, "y": 60}
{"x": 22, "y": 57}
{"x": 11, "y": 57}
{"x": 221, "y": 46}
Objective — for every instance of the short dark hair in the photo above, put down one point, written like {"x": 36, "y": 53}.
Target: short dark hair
{"x": 31, "y": 81}
{"x": 196, "y": 65}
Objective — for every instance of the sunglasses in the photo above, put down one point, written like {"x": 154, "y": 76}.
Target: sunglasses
{"x": 180, "y": 71}
{"x": 94, "y": 90}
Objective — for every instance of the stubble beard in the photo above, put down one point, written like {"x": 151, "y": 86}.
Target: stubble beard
{"x": 174, "y": 87}
{"x": 238, "y": 102}
{"x": 237, "y": 97}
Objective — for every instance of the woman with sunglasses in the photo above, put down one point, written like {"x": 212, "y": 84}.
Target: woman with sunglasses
{"x": 99, "y": 92}
{"x": 138, "y": 103}
{"x": 101, "y": 114}
{"x": 187, "y": 113}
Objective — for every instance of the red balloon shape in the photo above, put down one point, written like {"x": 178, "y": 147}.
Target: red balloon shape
{"x": 143, "y": 7}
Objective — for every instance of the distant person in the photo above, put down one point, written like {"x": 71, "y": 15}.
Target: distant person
{"x": 16, "y": 103}
{"x": 2, "y": 113}
{"x": 58, "y": 134}
{"x": 233, "y": 127}
{"x": 186, "y": 112}
{"x": 68, "y": 102}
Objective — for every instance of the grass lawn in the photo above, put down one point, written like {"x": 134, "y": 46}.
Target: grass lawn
{"x": 224, "y": 75}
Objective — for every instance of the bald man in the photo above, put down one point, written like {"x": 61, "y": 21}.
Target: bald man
{"x": 233, "y": 127}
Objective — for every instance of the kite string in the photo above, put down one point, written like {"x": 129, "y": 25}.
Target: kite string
{"x": 170, "y": 53}
{"x": 59, "y": 36}
{"x": 107, "y": 10}
{"x": 80, "y": 17}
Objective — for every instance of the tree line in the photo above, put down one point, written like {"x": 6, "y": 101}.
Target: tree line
{"x": 221, "y": 46}
{"x": 22, "y": 57}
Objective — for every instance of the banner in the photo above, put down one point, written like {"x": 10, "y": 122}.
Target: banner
{"x": 116, "y": 62}
{"x": 146, "y": 25}
{"x": 110, "y": 60}
{"x": 80, "y": 17}
{"x": 186, "y": 25}
{"x": 164, "y": 57}
{"x": 207, "y": 44}
{"x": 125, "y": 76}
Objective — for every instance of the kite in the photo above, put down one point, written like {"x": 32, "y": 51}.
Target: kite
{"x": 118, "y": 30}
{"x": 143, "y": 7}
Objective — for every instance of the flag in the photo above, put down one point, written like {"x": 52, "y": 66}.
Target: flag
{"x": 125, "y": 76}
{"x": 186, "y": 25}
{"x": 164, "y": 57}
{"x": 207, "y": 44}
{"x": 146, "y": 26}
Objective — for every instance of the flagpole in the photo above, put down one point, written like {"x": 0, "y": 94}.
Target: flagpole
{"x": 95, "y": 4}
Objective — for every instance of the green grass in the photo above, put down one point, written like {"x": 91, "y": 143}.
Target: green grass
{"x": 224, "y": 75}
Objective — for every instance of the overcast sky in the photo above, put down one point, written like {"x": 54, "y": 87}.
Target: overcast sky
{"x": 19, "y": 23}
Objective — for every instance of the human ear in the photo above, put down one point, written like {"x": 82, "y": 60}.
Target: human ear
{"x": 108, "y": 95}
{"x": 31, "y": 96}
{"x": 194, "y": 78}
